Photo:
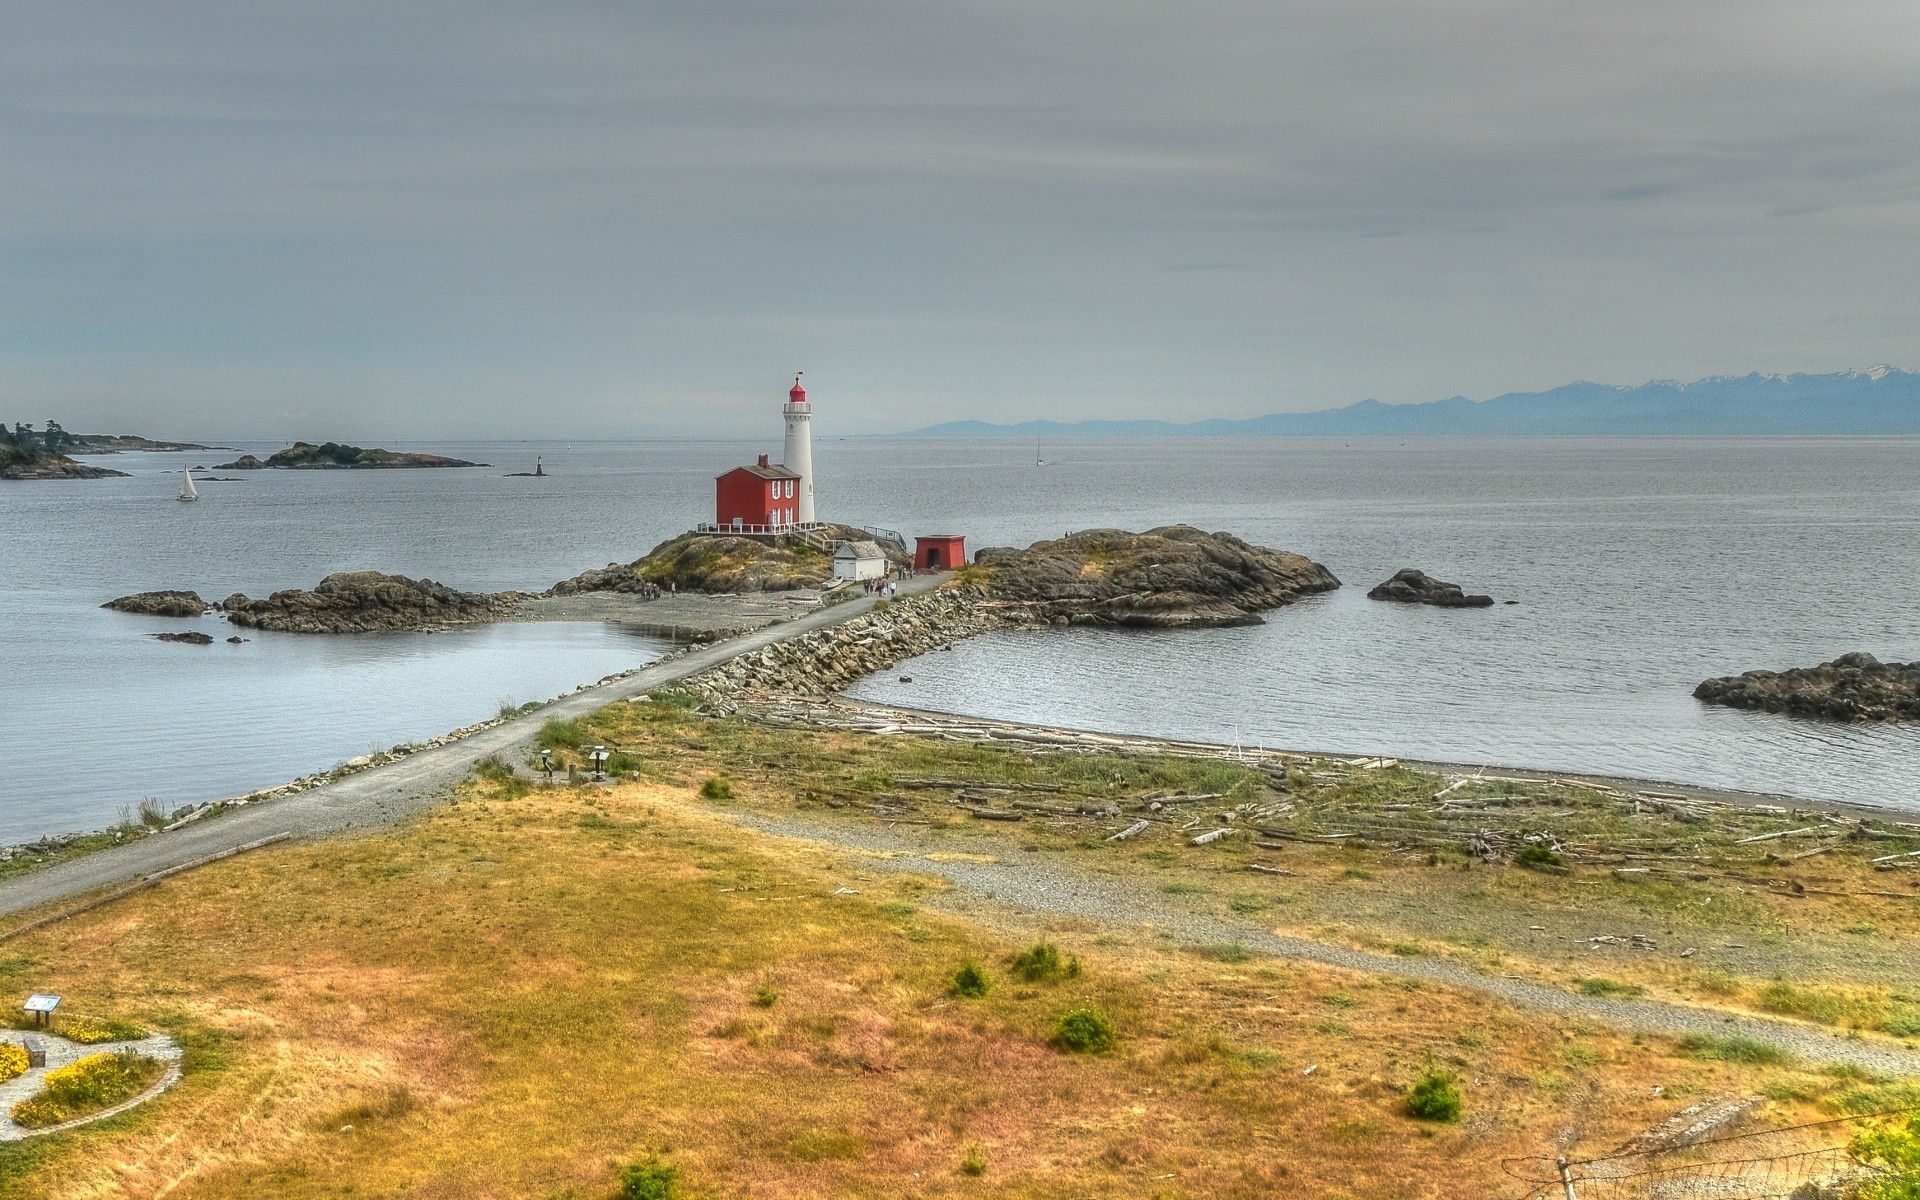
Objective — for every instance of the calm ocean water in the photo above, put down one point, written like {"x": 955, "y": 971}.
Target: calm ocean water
{"x": 1641, "y": 566}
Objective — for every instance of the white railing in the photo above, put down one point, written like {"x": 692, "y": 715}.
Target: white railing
{"x": 795, "y": 529}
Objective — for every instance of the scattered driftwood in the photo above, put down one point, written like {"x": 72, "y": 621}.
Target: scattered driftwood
{"x": 1784, "y": 833}
{"x": 997, "y": 814}
{"x": 1213, "y": 836}
{"x": 1129, "y": 831}
{"x": 978, "y": 784}
{"x": 1264, "y": 869}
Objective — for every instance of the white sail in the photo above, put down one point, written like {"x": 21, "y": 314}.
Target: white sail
{"x": 187, "y": 490}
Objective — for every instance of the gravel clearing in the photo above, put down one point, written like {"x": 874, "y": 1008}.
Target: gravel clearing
{"x": 1036, "y": 886}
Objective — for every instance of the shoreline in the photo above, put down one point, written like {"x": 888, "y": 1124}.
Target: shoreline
{"x": 937, "y": 722}
{"x": 716, "y": 622}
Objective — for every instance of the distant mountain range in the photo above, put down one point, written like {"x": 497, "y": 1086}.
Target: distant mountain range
{"x": 1882, "y": 400}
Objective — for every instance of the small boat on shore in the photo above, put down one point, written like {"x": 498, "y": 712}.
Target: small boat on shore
{"x": 187, "y": 490}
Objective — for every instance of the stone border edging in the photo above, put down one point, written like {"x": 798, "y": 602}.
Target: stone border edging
{"x": 172, "y": 1077}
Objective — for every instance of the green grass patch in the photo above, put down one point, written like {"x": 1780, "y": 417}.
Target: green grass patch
{"x": 1733, "y": 1047}
{"x": 1042, "y": 962}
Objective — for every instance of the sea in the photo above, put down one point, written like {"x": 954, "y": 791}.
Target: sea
{"x": 1638, "y": 566}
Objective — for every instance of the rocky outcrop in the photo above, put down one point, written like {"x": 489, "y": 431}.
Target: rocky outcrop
{"x": 827, "y": 660}
{"x": 1853, "y": 687}
{"x": 332, "y": 456}
{"x": 44, "y": 464}
{"x": 192, "y": 637}
{"x": 160, "y": 604}
{"x": 696, "y": 562}
{"x": 368, "y": 602}
{"x": 1409, "y": 586}
{"x": 1172, "y": 577}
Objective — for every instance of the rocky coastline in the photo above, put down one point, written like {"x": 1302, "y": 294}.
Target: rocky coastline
{"x": 1853, "y": 687}
{"x": 1411, "y": 586}
{"x": 1174, "y": 577}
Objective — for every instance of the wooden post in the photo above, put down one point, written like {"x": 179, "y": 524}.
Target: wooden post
{"x": 1566, "y": 1180}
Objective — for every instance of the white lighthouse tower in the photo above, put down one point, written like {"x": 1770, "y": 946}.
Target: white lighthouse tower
{"x": 799, "y": 457}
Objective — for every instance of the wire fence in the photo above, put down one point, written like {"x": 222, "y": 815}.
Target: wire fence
{"x": 1797, "y": 1162}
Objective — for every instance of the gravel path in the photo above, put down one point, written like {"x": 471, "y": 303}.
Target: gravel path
{"x": 389, "y": 792}
{"x": 1035, "y": 886}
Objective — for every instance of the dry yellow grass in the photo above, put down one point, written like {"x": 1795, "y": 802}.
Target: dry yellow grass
{"x": 506, "y": 998}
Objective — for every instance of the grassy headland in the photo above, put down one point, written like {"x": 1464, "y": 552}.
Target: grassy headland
{"x": 519, "y": 993}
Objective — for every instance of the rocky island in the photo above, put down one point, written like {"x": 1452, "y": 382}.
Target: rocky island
{"x": 25, "y": 454}
{"x": 160, "y": 604}
{"x": 1409, "y": 586}
{"x": 333, "y": 456}
{"x": 367, "y": 602}
{"x": 1853, "y": 687}
{"x": 697, "y": 562}
{"x": 1172, "y": 577}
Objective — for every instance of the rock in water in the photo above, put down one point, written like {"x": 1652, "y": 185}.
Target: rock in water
{"x": 1853, "y": 687}
{"x": 192, "y": 637}
{"x": 366, "y": 602}
{"x": 160, "y": 604}
{"x": 1417, "y": 587}
{"x": 1175, "y": 576}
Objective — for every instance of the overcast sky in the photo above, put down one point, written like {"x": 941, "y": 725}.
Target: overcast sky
{"x": 356, "y": 220}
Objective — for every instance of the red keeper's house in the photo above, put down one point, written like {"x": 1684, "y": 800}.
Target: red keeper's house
{"x": 939, "y": 551}
{"x": 757, "y": 498}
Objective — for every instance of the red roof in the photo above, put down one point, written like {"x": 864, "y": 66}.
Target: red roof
{"x": 763, "y": 472}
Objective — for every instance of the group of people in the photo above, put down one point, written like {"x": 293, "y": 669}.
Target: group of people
{"x": 885, "y": 585}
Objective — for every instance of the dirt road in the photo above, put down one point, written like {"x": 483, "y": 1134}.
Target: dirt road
{"x": 1036, "y": 889}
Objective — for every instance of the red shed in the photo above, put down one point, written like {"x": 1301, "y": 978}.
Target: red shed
{"x": 757, "y": 498}
{"x": 939, "y": 551}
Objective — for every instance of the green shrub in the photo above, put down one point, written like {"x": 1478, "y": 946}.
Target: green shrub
{"x": 767, "y": 996}
{"x": 1435, "y": 1096}
{"x": 1539, "y": 856}
{"x": 974, "y": 1163}
{"x": 1042, "y": 962}
{"x": 562, "y": 735}
{"x": 717, "y": 787}
{"x": 1085, "y": 1031}
{"x": 1893, "y": 1149}
{"x": 970, "y": 982}
{"x": 1732, "y": 1047}
{"x": 649, "y": 1179}
{"x": 622, "y": 763}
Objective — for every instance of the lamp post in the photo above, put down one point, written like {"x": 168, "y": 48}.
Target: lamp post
{"x": 598, "y": 756}
{"x": 546, "y": 765}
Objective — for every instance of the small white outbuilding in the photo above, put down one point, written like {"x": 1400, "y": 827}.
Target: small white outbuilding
{"x": 859, "y": 560}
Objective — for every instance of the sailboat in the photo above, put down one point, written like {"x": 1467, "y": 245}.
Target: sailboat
{"x": 1038, "y": 459}
{"x": 187, "y": 490}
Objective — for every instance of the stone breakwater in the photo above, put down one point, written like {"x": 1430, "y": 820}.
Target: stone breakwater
{"x": 827, "y": 660}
